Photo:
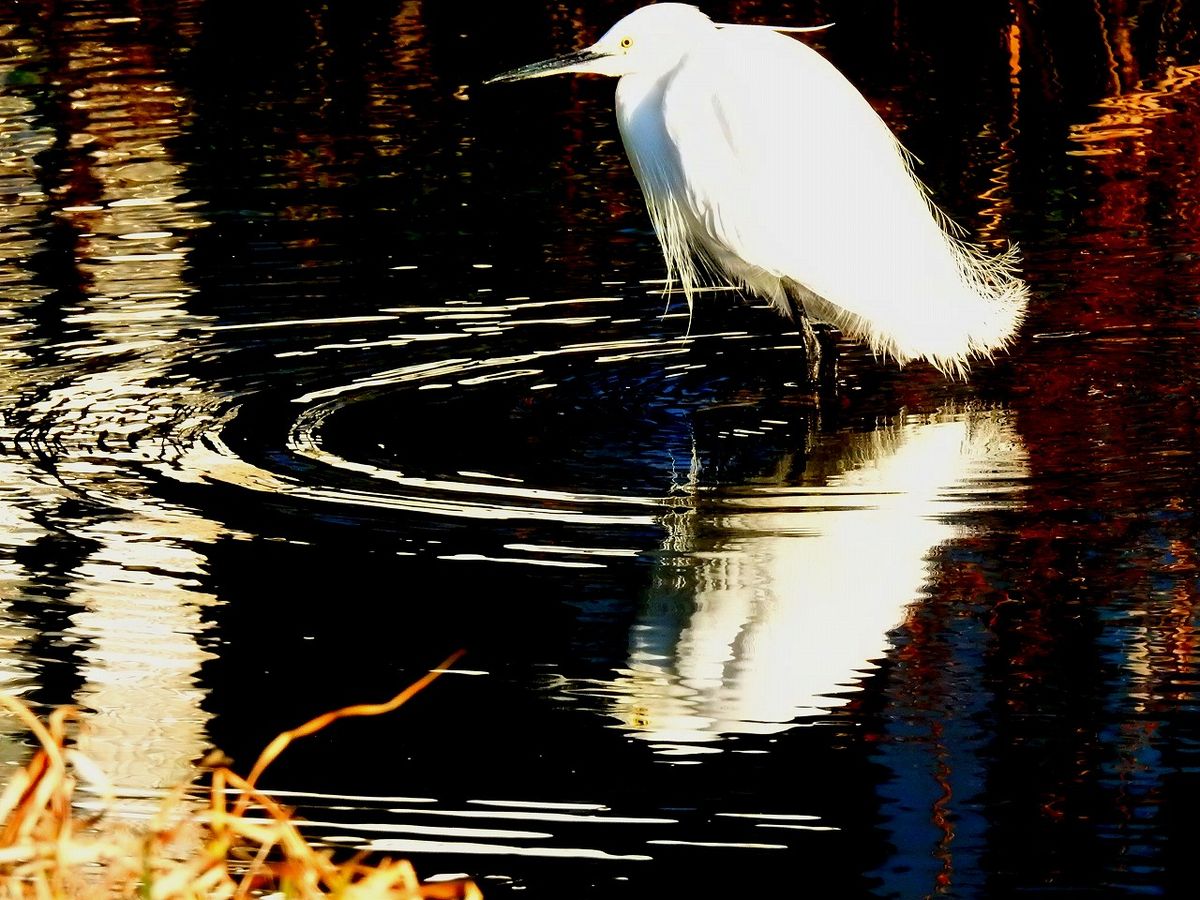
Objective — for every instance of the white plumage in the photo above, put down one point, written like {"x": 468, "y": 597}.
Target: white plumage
{"x": 764, "y": 167}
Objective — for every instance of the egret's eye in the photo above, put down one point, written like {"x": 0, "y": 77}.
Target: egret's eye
{"x": 626, "y": 43}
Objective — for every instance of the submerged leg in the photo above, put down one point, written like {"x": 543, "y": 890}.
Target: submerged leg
{"x": 812, "y": 349}
{"x": 827, "y": 341}
{"x": 820, "y": 342}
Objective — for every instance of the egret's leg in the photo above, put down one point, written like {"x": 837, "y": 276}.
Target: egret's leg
{"x": 827, "y": 340}
{"x": 812, "y": 348}
{"x": 819, "y": 365}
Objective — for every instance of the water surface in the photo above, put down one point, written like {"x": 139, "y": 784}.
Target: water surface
{"x": 318, "y": 362}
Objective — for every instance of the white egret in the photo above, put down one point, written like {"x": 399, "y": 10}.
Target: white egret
{"x": 763, "y": 167}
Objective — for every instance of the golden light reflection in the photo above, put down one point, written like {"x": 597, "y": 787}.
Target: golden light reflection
{"x": 998, "y": 197}
{"x": 87, "y": 412}
{"x": 1130, "y": 115}
{"x": 772, "y": 603}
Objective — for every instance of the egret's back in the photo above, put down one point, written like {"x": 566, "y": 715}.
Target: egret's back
{"x": 758, "y": 157}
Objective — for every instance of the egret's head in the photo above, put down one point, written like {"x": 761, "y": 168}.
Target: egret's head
{"x": 650, "y": 39}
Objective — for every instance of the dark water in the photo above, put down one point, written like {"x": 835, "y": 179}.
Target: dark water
{"x": 319, "y": 362}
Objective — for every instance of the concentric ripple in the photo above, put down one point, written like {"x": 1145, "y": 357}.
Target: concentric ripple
{"x": 590, "y": 432}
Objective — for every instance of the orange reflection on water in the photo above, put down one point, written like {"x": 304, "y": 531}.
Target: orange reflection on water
{"x": 1131, "y": 115}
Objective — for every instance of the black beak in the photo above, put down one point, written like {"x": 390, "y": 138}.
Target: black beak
{"x": 547, "y": 66}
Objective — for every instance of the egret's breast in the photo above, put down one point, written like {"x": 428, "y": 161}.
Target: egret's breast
{"x": 654, "y": 158}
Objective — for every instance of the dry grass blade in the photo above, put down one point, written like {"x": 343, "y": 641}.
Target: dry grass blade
{"x": 280, "y": 743}
{"x": 212, "y": 851}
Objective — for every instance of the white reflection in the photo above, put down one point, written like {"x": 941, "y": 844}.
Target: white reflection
{"x": 771, "y": 602}
{"x": 140, "y": 620}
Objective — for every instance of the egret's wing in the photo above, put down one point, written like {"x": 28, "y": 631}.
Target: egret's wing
{"x": 784, "y": 160}
{"x": 790, "y": 173}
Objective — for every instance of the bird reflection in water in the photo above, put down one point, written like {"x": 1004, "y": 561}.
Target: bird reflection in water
{"x": 771, "y": 602}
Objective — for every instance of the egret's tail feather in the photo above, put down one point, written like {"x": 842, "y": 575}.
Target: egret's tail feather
{"x": 976, "y": 314}
{"x": 952, "y": 302}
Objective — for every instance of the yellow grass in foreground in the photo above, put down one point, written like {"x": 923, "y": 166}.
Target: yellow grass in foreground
{"x": 243, "y": 846}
